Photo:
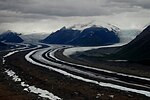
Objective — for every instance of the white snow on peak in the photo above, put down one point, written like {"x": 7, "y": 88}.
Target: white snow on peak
{"x": 9, "y": 32}
{"x": 94, "y": 24}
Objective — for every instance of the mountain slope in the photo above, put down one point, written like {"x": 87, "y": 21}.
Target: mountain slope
{"x": 84, "y": 35}
{"x": 138, "y": 49}
{"x": 11, "y": 37}
{"x": 61, "y": 36}
{"x": 95, "y": 36}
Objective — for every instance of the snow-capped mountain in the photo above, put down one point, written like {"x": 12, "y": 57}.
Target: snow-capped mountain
{"x": 85, "y": 35}
{"x": 95, "y": 36}
{"x": 92, "y": 24}
{"x": 125, "y": 36}
{"x": 10, "y": 37}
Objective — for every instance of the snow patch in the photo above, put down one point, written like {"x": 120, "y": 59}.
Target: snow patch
{"x": 33, "y": 89}
{"x": 13, "y": 75}
{"x": 111, "y": 96}
{"x": 101, "y": 24}
{"x": 42, "y": 93}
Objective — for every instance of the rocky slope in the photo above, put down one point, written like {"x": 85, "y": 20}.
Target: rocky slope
{"x": 84, "y": 35}
{"x": 10, "y": 37}
{"x": 138, "y": 49}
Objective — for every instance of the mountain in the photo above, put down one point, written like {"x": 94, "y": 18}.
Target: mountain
{"x": 138, "y": 49}
{"x": 61, "y": 36}
{"x": 84, "y": 35}
{"x": 95, "y": 36}
{"x": 10, "y": 37}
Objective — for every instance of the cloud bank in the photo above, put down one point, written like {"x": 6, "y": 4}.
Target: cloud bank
{"x": 49, "y": 15}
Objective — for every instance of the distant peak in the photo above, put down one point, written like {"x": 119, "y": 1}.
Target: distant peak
{"x": 8, "y": 31}
{"x": 81, "y": 27}
{"x": 63, "y": 28}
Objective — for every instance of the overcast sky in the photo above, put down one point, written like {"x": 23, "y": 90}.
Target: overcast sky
{"x": 50, "y": 15}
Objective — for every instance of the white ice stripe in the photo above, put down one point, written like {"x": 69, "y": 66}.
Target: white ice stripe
{"x": 147, "y": 93}
{"x": 14, "y": 49}
{"x": 103, "y": 70}
{"x": 38, "y": 46}
{"x": 23, "y": 49}
{"x": 13, "y": 52}
{"x": 10, "y": 53}
{"x": 33, "y": 89}
{"x": 73, "y": 50}
{"x": 38, "y": 57}
{"x": 117, "y": 60}
{"x": 51, "y": 53}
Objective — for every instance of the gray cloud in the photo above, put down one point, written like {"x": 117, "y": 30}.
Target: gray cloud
{"x": 132, "y": 3}
{"x": 35, "y": 11}
{"x": 72, "y": 7}
{"x": 55, "y": 7}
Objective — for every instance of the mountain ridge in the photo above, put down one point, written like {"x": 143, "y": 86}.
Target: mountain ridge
{"x": 10, "y": 37}
{"x": 90, "y": 36}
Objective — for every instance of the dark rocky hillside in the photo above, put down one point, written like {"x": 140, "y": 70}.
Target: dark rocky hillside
{"x": 138, "y": 49}
{"x": 11, "y": 37}
{"x": 61, "y": 36}
{"x": 95, "y": 36}
{"x": 92, "y": 36}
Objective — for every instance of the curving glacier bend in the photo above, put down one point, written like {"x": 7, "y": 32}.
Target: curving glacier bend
{"x": 67, "y": 71}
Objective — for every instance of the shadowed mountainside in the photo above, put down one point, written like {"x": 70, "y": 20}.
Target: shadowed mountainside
{"x": 138, "y": 49}
{"x": 91, "y": 36}
{"x": 11, "y": 37}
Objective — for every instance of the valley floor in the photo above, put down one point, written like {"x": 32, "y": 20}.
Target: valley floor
{"x": 64, "y": 87}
